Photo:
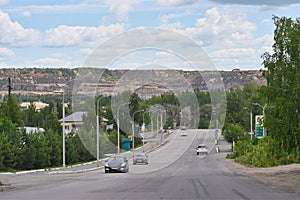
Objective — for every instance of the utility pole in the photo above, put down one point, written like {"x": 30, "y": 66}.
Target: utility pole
{"x": 9, "y": 87}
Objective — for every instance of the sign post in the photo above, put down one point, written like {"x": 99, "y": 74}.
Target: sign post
{"x": 259, "y": 126}
{"x": 216, "y": 136}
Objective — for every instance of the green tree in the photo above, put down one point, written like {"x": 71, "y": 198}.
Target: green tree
{"x": 283, "y": 89}
{"x": 54, "y": 147}
{"x": 13, "y": 110}
{"x": 233, "y": 132}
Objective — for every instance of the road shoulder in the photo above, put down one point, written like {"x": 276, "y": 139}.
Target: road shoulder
{"x": 286, "y": 177}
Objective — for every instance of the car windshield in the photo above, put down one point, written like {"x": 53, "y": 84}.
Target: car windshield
{"x": 202, "y": 146}
{"x": 140, "y": 155}
{"x": 116, "y": 159}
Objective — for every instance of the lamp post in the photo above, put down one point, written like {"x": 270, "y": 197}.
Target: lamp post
{"x": 133, "y": 127}
{"x": 143, "y": 129}
{"x": 263, "y": 108}
{"x": 161, "y": 125}
{"x": 64, "y": 134}
{"x": 63, "y": 127}
{"x": 118, "y": 124}
{"x": 251, "y": 130}
{"x": 150, "y": 111}
{"x": 97, "y": 122}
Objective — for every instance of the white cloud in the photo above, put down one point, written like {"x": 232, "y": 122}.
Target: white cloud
{"x": 4, "y": 52}
{"x": 172, "y": 26}
{"x": 4, "y": 65}
{"x": 166, "y": 18}
{"x": 228, "y": 37}
{"x": 119, "y": 9}
{"x": 13, "y": 34}
{"x": 265, "y": 42}
{"x": 236, "y": 57}
{"x": 59, "y": 9}
{"x": 267, "y": 21}
{"x": 26, "y": 14}
{"x": 85, "y": 51}
{"x": 234, "y": 53}
{"x": 176, "y": 2}
{"x": 51, "y": 62}
{"x": 63, "y": 35}
{"x": 259, "y": 2}
{"x": 3, "y": 2}
{"x": 219, "y": 29}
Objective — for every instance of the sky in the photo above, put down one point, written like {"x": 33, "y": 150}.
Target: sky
{"x": 64, "y": 33}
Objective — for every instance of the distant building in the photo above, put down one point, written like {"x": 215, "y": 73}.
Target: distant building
{"x": 30, "y": 130}
{"x": 73, "y": 122}
{"x": 37, "y": 104}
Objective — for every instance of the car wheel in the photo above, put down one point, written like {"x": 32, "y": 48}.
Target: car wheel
{"x": 197, "y": 153}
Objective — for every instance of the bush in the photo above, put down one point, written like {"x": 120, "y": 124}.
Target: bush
{"x": 266, "y": 153}
{"x": 233, "y": 132}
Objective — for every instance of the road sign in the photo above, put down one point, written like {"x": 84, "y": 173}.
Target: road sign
{"x": 216, "y": 134}
{"x": 259, "y": 126}
{"x": 259, "y": 120}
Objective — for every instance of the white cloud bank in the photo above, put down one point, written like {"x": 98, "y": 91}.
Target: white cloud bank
{"x": 13, "y": 34}
{"x": 176, "y": 3}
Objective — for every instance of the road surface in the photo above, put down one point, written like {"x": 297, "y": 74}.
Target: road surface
{"x": 174, "y": 172}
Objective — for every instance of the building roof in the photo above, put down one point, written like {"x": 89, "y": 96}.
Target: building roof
{"x": 29, "y": 130}
{"x": 74, "y": 117}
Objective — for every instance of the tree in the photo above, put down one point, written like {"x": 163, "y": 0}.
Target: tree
{"x": 283, "y": 89}
{"x": 13, "y": 110}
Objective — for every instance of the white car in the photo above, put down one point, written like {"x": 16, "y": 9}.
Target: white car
{"x": 183, "y": 133}
{"x": 202, "y": 149}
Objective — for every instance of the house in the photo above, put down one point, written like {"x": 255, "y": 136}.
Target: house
{"x": 73, "y": 122}
{"x": 37, "y": 104}
{"x": 30, "y": 130}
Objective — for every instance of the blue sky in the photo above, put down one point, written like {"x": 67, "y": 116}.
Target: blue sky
{"x": 52, "y": 33}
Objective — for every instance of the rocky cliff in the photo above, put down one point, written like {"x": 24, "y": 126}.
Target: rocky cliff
{"x": 48, "y": 81}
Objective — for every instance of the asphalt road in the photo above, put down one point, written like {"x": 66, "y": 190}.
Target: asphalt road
{"x": 174, "y": 172}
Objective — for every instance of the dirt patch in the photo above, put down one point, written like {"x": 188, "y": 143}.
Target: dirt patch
{"x": 286, "y": 176}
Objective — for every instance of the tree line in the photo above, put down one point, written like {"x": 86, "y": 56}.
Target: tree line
{"x": 281, "y": 99}
{"x": 21, "y": 151}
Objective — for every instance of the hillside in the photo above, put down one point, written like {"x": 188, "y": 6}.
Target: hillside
{"x": 48, "y": 81}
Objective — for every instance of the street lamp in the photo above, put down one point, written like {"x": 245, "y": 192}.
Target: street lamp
{"x": 63, "y": 127}
{"x": 150, "y": 111}
{"x": 64, "y": 134}
{"x": 161, "y": 124}
{"x": 118, "y": 124}
{"x": 251, "y": 130}
{"x": 133, "y": 127}
{"x": 97, "y": 121}
{"x": 263, "y": 108}
{"x": 143, "y": 129}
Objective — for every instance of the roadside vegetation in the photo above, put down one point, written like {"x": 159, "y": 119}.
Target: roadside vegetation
{"x": 42, "y": 150}
{"x": 21, "y": 151}
{"x": 281, "y": 99}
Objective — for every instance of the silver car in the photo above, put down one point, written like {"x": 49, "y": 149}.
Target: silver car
{"x": 202, "y": 148}
{"x": 117, "y": 163}
{"x": 140, "y": 158}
